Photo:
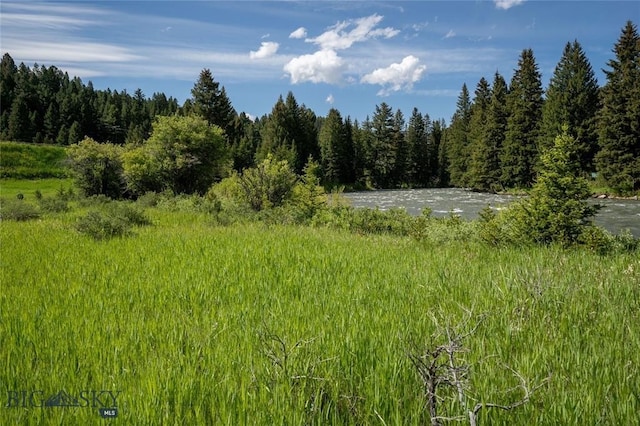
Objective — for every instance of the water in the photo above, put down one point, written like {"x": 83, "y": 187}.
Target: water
{"x": 615, "y": 215}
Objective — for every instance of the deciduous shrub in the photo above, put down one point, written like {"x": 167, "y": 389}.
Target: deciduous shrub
{"x": 97, "y": 168}
{"x": 112, "y": 220}
{"x": 270, "y": 184}
{"x": 17, "y": 209}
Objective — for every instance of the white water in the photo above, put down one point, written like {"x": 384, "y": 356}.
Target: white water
{"x": 615, "y": 215}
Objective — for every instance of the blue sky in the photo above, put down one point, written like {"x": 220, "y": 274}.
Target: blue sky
{"x": 348, "y": 55}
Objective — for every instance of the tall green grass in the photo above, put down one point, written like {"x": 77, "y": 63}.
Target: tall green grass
{"x": 10, "y": 188}
{"x": 253, "y": 324}
{"x": 30, "y": 161}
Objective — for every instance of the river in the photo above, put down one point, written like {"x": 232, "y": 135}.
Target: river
{"x": 615, "y": 215}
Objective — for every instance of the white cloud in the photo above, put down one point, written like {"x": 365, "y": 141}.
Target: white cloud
{"x": 324, "y": 66}
{"x": 299, "y": 33}
{"x": 75, "y": 51}
{"x": 267, "y": 49}
{"x": 507, "y": 4}
{"x": 330, "y": 99}
{"x": 450, "y": 34}
{"x": 397, "y": 76}
{"x": 337, "y": 38}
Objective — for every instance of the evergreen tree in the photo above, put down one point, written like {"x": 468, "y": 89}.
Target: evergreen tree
{"x": 572, "y": 100}
{"x": 557, "y": 209}
{"x": 519, "y": 153}
{"x": 382, "y": 150}
{"x": 332, "y": 141}
{"x": 458, "y": 140}
{"x": 19, "y": 125}
{"x": 495, "y": 132}
{"x": 440, "y": 145}
{"x": 399, "y": 173}
{"x": 211, "y": 102}
{"x": 75, "y": 133}
{"x": 478, "y": 142}
{"x": 8, "y": 71}
{"x": 301, "y": 127}
{"x": 277, "y": 138}
{"x": 618, "y": 161}
{"x": 418, "y": 145}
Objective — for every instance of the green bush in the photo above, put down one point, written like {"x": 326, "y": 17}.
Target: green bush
{"x": 270, "y": 184}
{"x": 97, "y": 168}
{"x": 113, "y": 220}
{"x": 53, "y": 205}
{"x": 184, "y": 154}
{"x": 100, "y": 225}
{"x": 18, "y": 210}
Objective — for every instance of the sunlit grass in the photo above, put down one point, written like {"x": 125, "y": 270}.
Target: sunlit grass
{"x": 10, "y": 188}
{"x": 253, "y": 324}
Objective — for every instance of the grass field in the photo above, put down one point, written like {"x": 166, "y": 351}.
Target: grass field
{"x": 194, "y": 323}
{"x": 29, "y": 161}
{"x": 10, "y": 188}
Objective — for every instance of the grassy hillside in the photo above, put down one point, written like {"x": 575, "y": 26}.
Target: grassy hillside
{"x": 195, "y": 323}
{"x": 29, "y": 161}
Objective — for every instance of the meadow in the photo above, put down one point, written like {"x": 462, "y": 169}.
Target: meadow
{"x": 30, "y": 161}
{"x": 188, "y": 321}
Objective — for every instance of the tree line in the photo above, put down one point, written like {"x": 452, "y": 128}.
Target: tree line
{"x": 494, "y": 141}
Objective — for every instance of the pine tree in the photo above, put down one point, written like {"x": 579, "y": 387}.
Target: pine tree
{"x": 399, "y": 173}
{"x": 277, "y": 137}
{"x": 332, "y": 142}
{"x": 211, "y": 102}
{"x": 417, "y": 138}
{"x": 382, "y": 150}
{"x": 8, "y": 71}
{"x": 458, "y": 140}
{"x": 439, "y": 132}
{"x": 572, "y": 100}
{"x": 496, "y": 129}
{"x": 557, "y": 209}
{"x": 519, "y": 153}
{"x": 19, "y": 125}
{"x": 618, "y": 161}
{"x": 478, "y": 142}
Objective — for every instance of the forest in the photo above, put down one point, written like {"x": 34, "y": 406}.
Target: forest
{"x": 493, "y": 142}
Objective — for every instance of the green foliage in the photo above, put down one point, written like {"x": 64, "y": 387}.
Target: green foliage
{"x": 270, "y": 184}
{"x": 618, "y": 161}
{"x": 183, "y": 155}
{"x": 458, "y": 140}
{"x": 18, "y": 210}
{"x": 97, "y": 168}
{"x": 211, "y": 103}
{"x": 308, "y": 195}
{"x": 53, "y": 204}
{"x": 556, "y": 210}
{"x": 26, "y": 161}
{"x": 481, "y": 149}
{"x": 142, "y": 171}
{"x": 519, "y": 154}
{"x": 114, "y": 219}
{"x": 572, "y": 100}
